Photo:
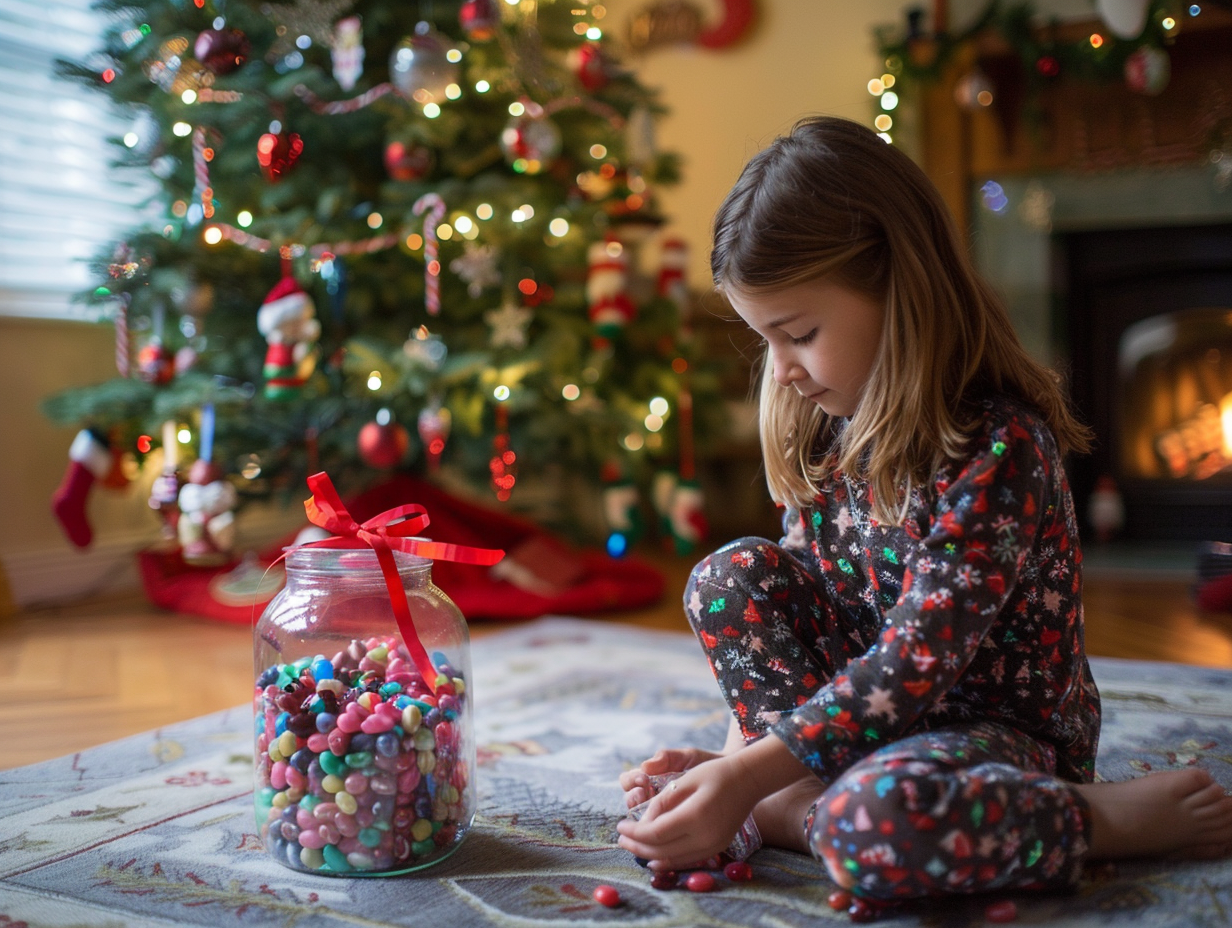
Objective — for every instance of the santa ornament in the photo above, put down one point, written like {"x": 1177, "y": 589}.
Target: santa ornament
{"x": 288, "y": 321}
{"x": 607, "y": 297}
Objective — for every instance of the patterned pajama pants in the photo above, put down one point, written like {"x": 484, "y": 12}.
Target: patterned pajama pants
{"x": 963, "y": 808}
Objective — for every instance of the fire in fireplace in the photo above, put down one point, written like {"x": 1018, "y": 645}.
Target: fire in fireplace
{"x": 1174, "y": 375}
{"x": 1148, "y": 318}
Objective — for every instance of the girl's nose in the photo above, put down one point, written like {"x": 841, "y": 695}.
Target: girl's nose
{"x": 786, "y": 370}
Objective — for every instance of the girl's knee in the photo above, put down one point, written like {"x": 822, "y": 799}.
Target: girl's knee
{"x": 721, "y": 576}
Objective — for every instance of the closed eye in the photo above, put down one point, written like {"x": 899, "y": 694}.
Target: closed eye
{"x": 806, "y": 338}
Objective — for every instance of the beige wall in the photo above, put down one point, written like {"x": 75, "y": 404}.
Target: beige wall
{"x": 803, "y": 57}
{"x": 806, "y": 56}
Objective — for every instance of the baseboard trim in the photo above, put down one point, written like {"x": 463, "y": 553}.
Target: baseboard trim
{"x": 55, "y": 576}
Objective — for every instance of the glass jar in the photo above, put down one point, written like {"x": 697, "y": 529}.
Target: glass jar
{"x": 363, "y": 766}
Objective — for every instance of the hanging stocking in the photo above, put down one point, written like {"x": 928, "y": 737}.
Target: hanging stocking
{"x": 662, "y": 488}
{"x": 88, "y": 460}
{"x": 688, "y": 516}
{"x": 622, "y": 509}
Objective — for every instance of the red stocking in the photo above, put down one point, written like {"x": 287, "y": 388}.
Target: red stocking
{"x": 88, "y": 460}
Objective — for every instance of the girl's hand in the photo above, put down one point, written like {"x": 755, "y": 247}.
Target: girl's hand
{"x": 636, "y": 782}
{"x": 695, "y": 817}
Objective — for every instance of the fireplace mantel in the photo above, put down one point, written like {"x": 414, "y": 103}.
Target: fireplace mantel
{"x": 1079, "y": 127}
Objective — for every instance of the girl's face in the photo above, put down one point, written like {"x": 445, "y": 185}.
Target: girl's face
{"x": 822, "y": 339}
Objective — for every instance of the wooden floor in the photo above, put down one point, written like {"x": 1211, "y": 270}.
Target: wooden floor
{"x": 81, "y": 675}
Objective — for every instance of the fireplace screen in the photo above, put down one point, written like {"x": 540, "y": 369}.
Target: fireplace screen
{"x": 1175, "y": 373}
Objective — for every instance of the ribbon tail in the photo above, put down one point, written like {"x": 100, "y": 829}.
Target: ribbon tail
{"x": 402, "y": 615}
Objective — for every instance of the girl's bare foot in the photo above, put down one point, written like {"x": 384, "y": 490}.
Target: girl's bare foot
{"x": 780, "y": 816}
{"x": 1180, "y": 813}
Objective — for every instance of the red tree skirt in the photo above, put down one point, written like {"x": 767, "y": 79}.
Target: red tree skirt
{"x": 539, "y": 576}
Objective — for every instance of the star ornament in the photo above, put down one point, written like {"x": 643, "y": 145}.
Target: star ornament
{"x": 477, "y": 266}
{"x": 509, "y": 325}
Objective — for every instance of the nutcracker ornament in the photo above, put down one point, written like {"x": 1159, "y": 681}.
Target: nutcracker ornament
{"x": 673, "y": 262}
{"x": 206, "y": 526}
{"x": 610, "y": 307}
{"x": 165, "y": 490}
{"x": 288, "y": 321}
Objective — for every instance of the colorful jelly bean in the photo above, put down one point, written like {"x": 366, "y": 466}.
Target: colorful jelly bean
{"x": 359, "y": 765}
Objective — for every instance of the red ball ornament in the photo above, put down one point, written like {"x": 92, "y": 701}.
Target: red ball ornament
{"x": 590, "y": 66}
{"x": 383, "y": 446}
{"x": 155, "y": 363}
{"x": 479, "y": 19}
{"x": 1048, "y": 66}
{"x": 408, "y": 161}
{"x": 277, "y": 154}
{"x": 607, "y": 895}
{"x": 221, "y": 51}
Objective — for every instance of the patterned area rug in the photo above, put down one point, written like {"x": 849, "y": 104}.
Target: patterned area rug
{"x": 158, "y": 830}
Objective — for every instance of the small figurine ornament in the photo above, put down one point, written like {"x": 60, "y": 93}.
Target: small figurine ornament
{"x": 288, "y": 321}
{"x": 347, "y": 52}
{"x": 610, "y": 308}
{"x": 206, "y": 525}
{"x": 1106, "y": 509}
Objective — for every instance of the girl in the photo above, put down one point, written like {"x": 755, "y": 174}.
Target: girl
{"x": 906, "y": 671}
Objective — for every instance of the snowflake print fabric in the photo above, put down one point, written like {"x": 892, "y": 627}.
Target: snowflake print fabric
{"x": 853, "y": 641}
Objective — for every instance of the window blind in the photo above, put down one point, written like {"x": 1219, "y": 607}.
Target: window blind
{"x": 60, "y": 203}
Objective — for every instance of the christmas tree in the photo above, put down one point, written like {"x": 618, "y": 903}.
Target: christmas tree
{"x": 411, "y": 235}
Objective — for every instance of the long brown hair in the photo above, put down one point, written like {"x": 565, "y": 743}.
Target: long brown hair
{"x": 831, "y": 199}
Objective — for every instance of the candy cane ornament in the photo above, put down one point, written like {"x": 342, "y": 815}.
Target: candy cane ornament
{"x": 123, "y": 347}
{"x": 435, "y": 206}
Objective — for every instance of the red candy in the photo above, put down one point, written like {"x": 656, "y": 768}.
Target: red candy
{"x": 738, "y": 871}
{"x": 839, "y": 900}
{"x": 1001, "y": 912}
{"x": 699, "y": 881}
{"x": 607, "y": 895}
{"x": 665, "y": 879}
{"x": 862, "y": 910}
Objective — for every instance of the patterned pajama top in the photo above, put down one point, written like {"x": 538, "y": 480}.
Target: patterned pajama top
{"x": 971, "y": 610}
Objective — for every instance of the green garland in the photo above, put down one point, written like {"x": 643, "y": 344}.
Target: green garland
{"x": 921, "y": 58}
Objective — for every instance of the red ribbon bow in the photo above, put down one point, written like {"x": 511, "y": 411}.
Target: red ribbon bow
{"x": 383, "y": 533}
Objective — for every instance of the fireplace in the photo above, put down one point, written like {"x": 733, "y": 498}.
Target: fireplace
{"x": 1145, "y": 320}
